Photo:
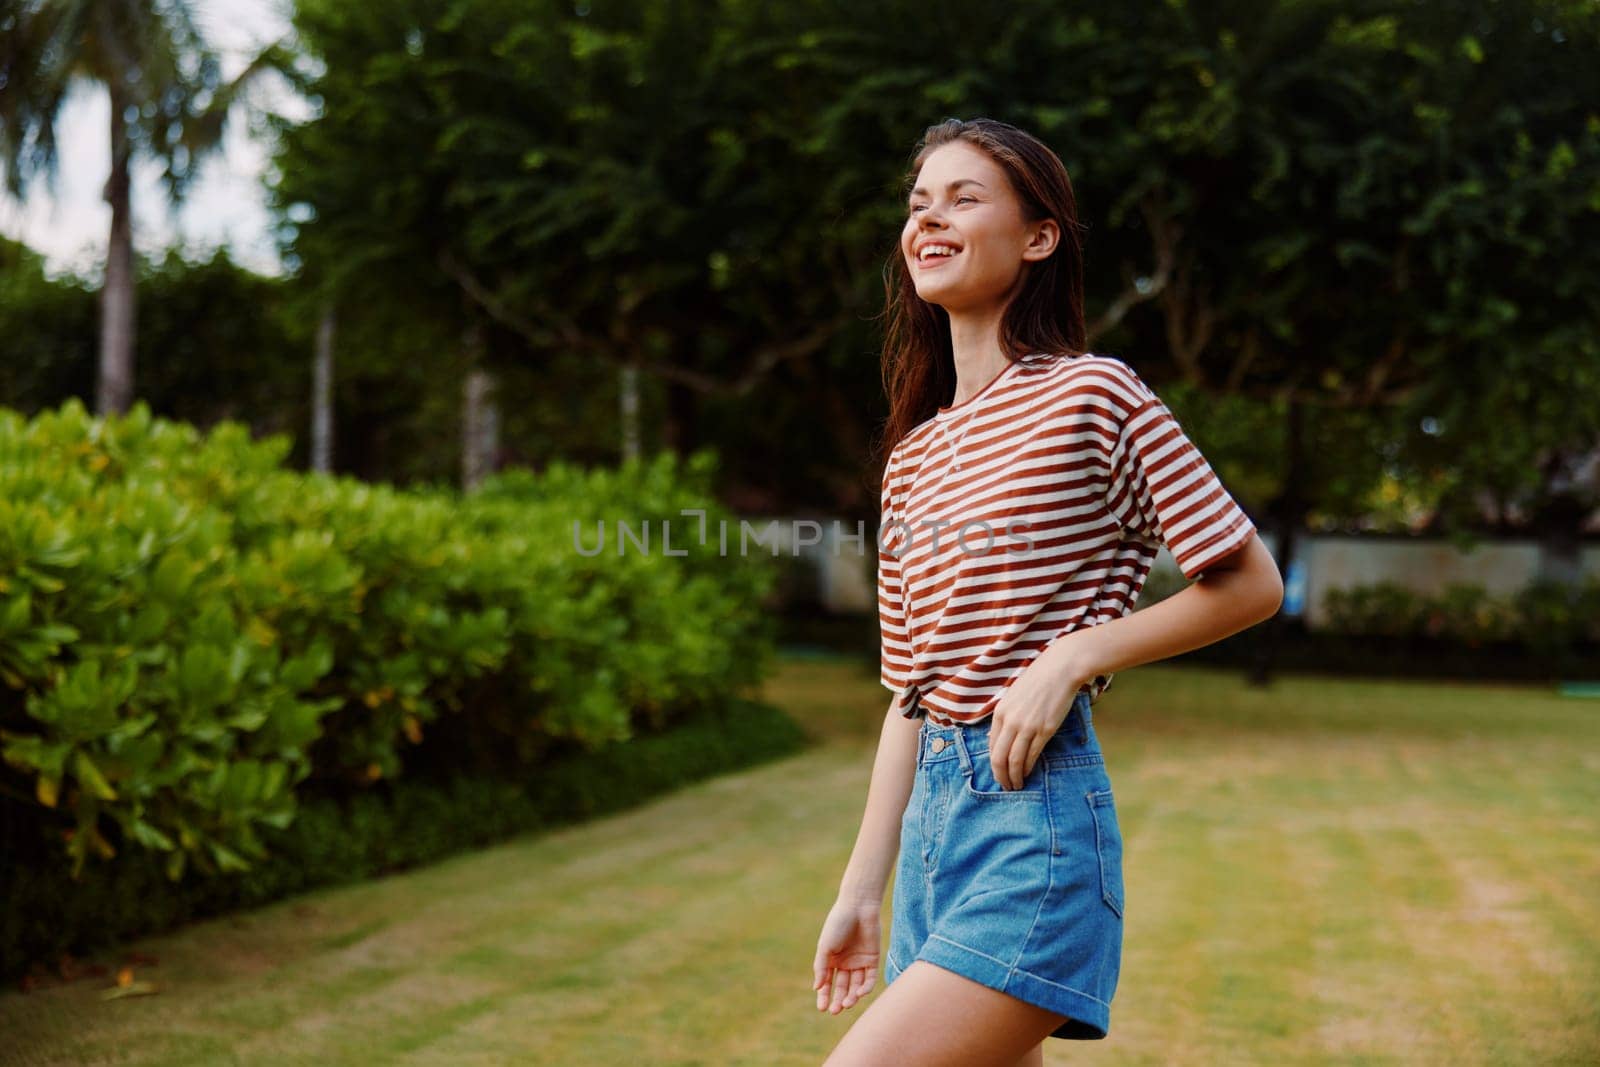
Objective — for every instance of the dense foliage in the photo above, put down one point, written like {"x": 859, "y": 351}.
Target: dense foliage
{"x": 1367, "y": 218}
{"x": 188, "y": 631}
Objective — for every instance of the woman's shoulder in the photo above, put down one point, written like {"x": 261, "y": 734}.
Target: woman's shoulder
{"x": 1104, "y": 375}
{"x": 911, "y": 442}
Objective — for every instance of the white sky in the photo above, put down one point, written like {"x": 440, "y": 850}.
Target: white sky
{"x": 226, "y": 202}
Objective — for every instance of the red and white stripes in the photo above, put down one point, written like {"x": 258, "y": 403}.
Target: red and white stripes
{"x": 1032, "y": 509}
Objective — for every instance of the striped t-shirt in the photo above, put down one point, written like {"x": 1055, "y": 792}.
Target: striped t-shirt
{"x": 1031, "y": 509}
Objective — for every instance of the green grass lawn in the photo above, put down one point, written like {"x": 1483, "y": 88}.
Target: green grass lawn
{"x": 1321, "y": 872}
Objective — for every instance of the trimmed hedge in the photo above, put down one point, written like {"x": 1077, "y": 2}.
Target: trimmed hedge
{"x": 1373, "y": 656}
{"x": 1543, "y": 615}
{"x": 193, "y": 638}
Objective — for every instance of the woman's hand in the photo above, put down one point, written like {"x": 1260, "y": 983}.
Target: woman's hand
{"x": 847, "y": 954}
{"x": 1033, "y": 707}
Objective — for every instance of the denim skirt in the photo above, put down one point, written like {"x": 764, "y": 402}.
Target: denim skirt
{"x": 1019, "y": 890}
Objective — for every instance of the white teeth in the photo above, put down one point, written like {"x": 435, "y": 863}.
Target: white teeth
{"x": 936, "y": 250}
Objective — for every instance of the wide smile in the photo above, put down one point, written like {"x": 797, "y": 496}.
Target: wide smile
{"x": 935, "y": 260}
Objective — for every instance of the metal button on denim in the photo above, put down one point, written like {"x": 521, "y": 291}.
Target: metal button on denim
{"x": 938, "y": 744}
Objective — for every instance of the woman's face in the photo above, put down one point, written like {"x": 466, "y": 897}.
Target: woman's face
{"x": 963, "y": 200}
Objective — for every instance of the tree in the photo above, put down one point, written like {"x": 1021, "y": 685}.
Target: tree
{"x": 1307, "y": 205}
{"x": 655, "y": 147}
{"x": 168, "y": 101}
{"x": 1378, "y": 213}
{"x": 46, "y": 332}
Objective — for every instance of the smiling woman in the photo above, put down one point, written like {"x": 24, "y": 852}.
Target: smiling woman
{"x": 1027, "y": 487}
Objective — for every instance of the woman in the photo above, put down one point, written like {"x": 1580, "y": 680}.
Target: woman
{"x": 1027, "y": 489}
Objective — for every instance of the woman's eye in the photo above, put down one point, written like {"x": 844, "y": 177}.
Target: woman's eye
{"x": 914, "y": 207}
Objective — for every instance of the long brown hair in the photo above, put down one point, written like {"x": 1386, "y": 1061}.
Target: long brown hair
{"x": 1046, "y": 315}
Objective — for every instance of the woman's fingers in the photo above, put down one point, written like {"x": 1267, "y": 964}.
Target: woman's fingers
{"x": 1024, "y": 753}
{"x": 825, "y": 993}
{"x": 838, "y": 987}
{"x": 863, "y": 984}
{"x": 1012, "y": 758}
{"x": 841, "y": 989}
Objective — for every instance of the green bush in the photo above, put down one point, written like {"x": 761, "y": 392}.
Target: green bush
{"x": 1384, "y": 608}
{"x": 1542, "y": 616}
{"x": 188, "y": 632}
{"x": 1553, "y": 614}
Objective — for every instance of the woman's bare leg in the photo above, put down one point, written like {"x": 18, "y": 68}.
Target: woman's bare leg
{"x": 934, "y": 1017}
{"x": 1034, "y": 1057}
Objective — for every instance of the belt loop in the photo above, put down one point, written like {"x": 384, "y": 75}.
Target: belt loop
{"x": 1081, "y": 704}
{"x": 961, "y": 749}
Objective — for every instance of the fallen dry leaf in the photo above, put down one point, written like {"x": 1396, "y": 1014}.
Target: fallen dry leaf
{"x": 132, "y": 989}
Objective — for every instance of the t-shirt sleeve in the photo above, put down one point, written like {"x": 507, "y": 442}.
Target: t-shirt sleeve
{"x": 1160, "y": 487}
{"x": 894, "y": 638}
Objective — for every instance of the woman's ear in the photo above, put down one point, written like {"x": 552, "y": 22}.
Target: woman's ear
{"x": 1042, "y": 241}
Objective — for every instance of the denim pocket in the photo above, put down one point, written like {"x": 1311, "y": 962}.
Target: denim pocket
{"x": 981, "y": 784}
{"x": 1108, "y": 846}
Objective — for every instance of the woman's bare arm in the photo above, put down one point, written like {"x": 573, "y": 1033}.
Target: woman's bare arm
{"x": 877, "y": 846}
{"x": 1237, "y": 592}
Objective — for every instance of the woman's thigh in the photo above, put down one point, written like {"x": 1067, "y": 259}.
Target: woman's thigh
{"x": 933, "y": 1017}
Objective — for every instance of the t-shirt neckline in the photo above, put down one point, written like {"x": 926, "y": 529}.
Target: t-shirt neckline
{"x": 952, "y": 410}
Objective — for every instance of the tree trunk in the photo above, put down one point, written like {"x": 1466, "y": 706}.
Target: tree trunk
{"x": 628, "y": 400}
{"x": 322, "y": 394}
{"x": 480, "y": 422}
{"x": 114, "y": 392}
{"x": 681, "y": 406}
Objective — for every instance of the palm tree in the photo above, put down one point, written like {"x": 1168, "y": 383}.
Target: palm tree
{"x": 168, "y": 100}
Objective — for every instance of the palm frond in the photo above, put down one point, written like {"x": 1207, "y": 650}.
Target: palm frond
{"x": 38, "y": 65}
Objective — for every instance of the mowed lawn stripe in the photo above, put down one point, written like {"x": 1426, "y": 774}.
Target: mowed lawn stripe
{"x": 657, "y": 942}
{"x": 1562, "y": 880}
{"x": 1253, "y": 1004}
{"x": 1172, "y": 907}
